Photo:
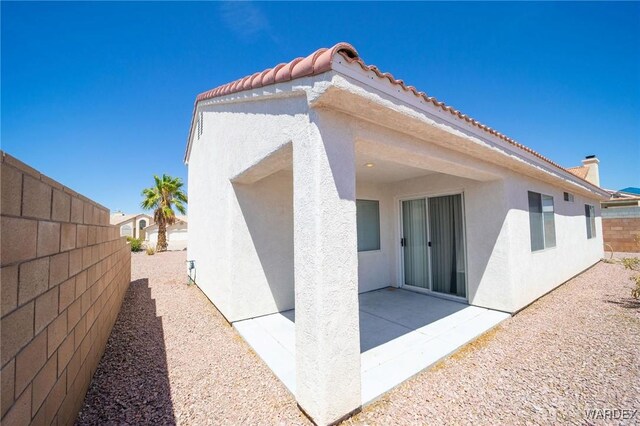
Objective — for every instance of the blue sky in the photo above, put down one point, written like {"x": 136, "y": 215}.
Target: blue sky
{"x": 99, "y": 95}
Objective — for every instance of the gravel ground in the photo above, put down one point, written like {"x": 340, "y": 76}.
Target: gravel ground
{"x": 576, "y": 349}
{"x": 172, "y": 359}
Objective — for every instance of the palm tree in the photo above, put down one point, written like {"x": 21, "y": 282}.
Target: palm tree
{"x": 162, "y": 198}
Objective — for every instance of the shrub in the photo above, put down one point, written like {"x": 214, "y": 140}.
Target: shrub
{"x": 635, "y": 292}
{"x": 135, "y": 243}
{"x": 632, "y": 263}
{"x": 151, "y": 251}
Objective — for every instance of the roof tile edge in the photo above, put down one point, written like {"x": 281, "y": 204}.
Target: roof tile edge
{"x": 318, "y": 62}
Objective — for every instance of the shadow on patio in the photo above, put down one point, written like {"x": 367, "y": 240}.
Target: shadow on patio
{"x": 401, "y": 333}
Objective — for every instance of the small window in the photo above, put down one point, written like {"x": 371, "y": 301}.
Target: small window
{"x": 142, "y": 224}
{"x": 541, "y": 221}
{"x": 126, "y": 231}
{"x": 368, "y": 224}
{"x": 568, "y": 197}
{"x": 590, "y": 215}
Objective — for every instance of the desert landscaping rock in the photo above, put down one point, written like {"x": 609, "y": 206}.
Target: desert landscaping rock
{"x": 173, "y": 359}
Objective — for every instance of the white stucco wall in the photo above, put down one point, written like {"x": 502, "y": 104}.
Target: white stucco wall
{"x": 326, "y": 270}
{"x": 177, "y": 236}
{"x": 234, "y": 138}
{"x": 536, "y": 273}
{"x": 134, "y": 225}
{"x": 376, "y": 268}
{"x": 248, "y": 243}
{"x": 262, "y": 246}
{"x": 488, "y": 274}
{"x": 272, "y": 189}
{"x": 127, "y": 229}
{"x": 502, "y": 272}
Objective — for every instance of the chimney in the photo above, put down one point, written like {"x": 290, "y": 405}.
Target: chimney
{"x": 593, "y": 175}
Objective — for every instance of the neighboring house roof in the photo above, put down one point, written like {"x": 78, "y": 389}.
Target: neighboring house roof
{"x": 624, "y": 199}
{"x": 621, "y": 202}
{"x": 322, "y": 61}
{"x": 180, "y": 220}
{"x": 118, "y": 218}
{"x": 631, "y": 190}
{"x": 580, "y": 171}
{"x": 622, "y": 194}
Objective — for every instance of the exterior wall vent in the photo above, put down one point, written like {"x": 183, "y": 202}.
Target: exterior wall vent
{"x": 200, "y": 125}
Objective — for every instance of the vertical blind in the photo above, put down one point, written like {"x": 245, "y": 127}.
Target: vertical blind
{"x": 535, "y": 221}
{"x": 447, "y": 245}
{"x": 541, "y": 221}
{"x": 590, "y": 215}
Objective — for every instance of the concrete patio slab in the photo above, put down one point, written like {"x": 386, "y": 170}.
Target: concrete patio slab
{"x": 401, "y": 334}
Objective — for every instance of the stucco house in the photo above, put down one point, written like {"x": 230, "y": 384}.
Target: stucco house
{"x": 177, "y": 234}
{"x": 131, "y": 225}
{"x": 316, "y": 183}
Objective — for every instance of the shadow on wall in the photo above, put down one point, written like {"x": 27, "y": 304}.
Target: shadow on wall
{"x": 267, "y": 210}
{"x": 488, "y": 228}
{"x": 339, "y": 147}
{"x": 131, "y": 384}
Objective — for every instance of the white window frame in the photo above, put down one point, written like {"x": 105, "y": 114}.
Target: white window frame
{"x": 400, "y": 250}
{"x": 544, "y": 237}
{"x": 590, "y": 220}
{"x": 379, "y": 248}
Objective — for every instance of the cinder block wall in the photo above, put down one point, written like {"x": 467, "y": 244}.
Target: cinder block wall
{"x": 621, "y": 234}
{"x": 64, "y": 274}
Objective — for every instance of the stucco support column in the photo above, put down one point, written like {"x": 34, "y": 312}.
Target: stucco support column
{"x": 326, "y": 273}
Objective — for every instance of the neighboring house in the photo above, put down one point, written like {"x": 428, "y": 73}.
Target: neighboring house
{"x": 620, "y": 212}
{"x": 323, "y": 178}
{"x": 632, "y": 191}
{"x": 177, "y": 234}
{"x": 627, "y": 197}
{"x": 131, "y": 225}
{"x": 621, "y": 221}
{"x": 589, "y": 171}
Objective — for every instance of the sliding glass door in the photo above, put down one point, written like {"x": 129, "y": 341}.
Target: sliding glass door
{"x": 433, "y": 244}
{"x": 414, "y": 242}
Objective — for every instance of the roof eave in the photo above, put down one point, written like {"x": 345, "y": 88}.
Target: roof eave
{"x": 325, "y": 100}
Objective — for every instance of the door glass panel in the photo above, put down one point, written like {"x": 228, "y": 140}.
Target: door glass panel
{"x": 414, "y": 224}
{"x": 447, "y": 245}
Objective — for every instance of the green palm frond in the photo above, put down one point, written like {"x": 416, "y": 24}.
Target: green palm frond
{"x": 162, "y": 197}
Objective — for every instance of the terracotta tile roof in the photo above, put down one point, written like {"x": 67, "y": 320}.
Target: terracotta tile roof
{"x": 580, "y": 171}
{"x": 318, "y": 62}
{"x": 321, "y": 61}
{"x": 118, "y": 218}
